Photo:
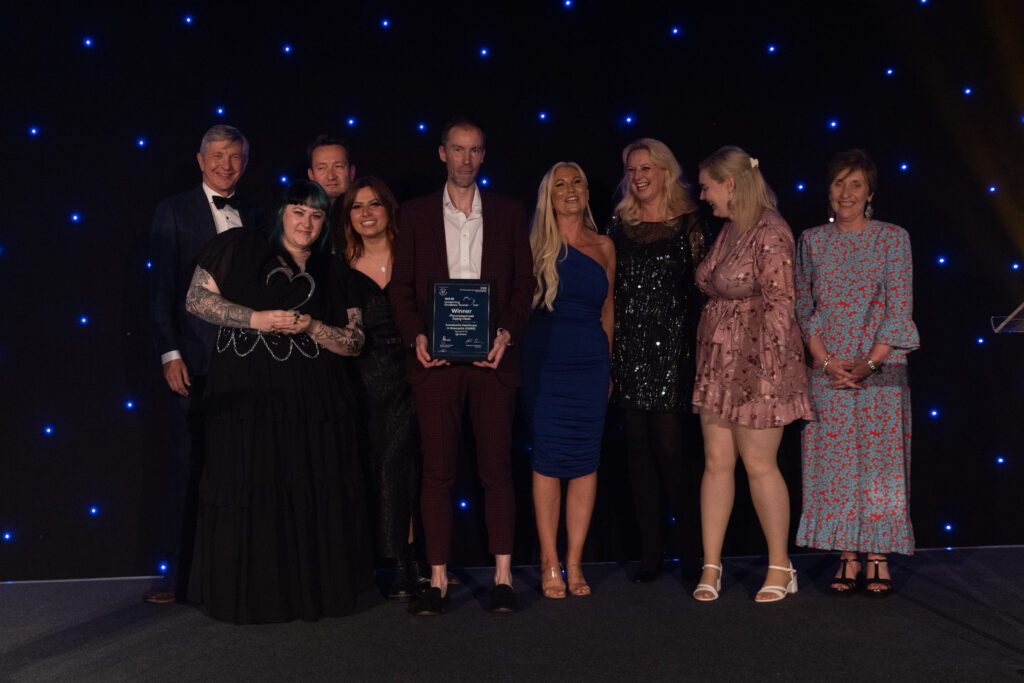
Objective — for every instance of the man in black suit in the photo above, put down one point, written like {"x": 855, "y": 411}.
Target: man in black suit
{"x": 182, "y": 225}
{"x": 330, "y": 165}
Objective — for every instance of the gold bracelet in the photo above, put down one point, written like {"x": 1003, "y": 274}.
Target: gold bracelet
{"x": 824, "y": 363}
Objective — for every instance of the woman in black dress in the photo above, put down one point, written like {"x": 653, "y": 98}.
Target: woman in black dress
{"x": 659, "y": 240}
{"x": 282, "y": 530}
{"x": 370, "y": 226}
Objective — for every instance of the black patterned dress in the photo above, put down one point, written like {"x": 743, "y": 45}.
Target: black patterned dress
{"x": 386, "y": 405}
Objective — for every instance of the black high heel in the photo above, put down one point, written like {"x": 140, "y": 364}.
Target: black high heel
{"x": 876, "y": 592}
{"x": 851, "y": 585}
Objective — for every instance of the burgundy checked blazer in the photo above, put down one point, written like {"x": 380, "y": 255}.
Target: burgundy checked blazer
{"x": 421, "y": 257}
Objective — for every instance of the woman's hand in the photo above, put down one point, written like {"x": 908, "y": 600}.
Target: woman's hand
{"x": 273, "y": 321}
{"x": 840, "y": 374}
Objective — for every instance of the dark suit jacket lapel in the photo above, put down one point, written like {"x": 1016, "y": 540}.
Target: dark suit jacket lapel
{"x": 436, "y": 236}
{"x": 204, "y": 216}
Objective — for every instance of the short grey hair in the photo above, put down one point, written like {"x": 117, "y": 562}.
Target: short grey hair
{"x": 222, "y": 132}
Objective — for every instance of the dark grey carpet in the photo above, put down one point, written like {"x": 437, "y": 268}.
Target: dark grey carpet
{"x": 958, "y": 616}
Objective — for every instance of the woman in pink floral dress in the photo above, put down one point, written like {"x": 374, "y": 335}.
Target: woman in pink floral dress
{"x": 854, "y": 302}
{"x": 751, "y": 379}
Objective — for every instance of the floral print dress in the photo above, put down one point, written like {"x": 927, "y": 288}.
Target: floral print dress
{"x": 750, "y": 358}
{"x": 854, "y": 290}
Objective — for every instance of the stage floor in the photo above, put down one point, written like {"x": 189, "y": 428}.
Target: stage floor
{"x": 958, "y": 615}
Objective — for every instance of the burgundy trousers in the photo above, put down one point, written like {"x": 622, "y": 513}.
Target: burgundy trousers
{"x": 440, "y": 399}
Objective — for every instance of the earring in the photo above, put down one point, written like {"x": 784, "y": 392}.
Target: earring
{"x": 869, "y": 211}
{"x": 831, "y": 213}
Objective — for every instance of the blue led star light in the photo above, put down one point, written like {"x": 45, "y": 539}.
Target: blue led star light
{"x": 484, "y": 181}
{"x": 463, "y": 504}
{"x": 141, "y": 142}
{"x": 567, "y": 3}
{"x": 87, "y": 42}
{"x": 220, "y": 111}
{"x": 542, "y": 115}
{"x": 94, "y": 510}
{"x": 933, "y": 412}
{"x": 83, "y": 320}
{"x": 385, "y": 23}
{"x": 890, "y": 71}
{"x": 350, "y": 121}
{"x": 48, "y": 429}
{"x": 948, "y": 526}
{"x": 162, "y": 567}
{"x": 8, "y": 536}
{"x": 1000, "y": 460}
{"x": 287, "y": 49}
{"x": 992, "y": 189}
{"x": 628, "y": 120}
{"x": 968, "y": 90}
{"x": 188, "y": 18}
{"x": 1014, "y": 266}
{"x": 75, "y": 217}
{"x": 981, "y": 340}
{"x": 904, "y": 167}
{"x": 833, "y": 123}
{"x": 941, "y": 260}
{"x": 771, "y": 49}
{"x": 484, "y": 52}
{"x": 149, "y": 265}
{"x": 800, "y": 187}
{"x": 33, "y": 130}
{"x": 421, "y": 127}
{"x": 129, "y": 405}
{"x": 283, "y": 180}
{"x": 675, "y": 30}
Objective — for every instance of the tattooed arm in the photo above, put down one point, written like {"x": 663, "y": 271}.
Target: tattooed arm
{"x": 205, "y": 301}
{"x": 344, "y": 341}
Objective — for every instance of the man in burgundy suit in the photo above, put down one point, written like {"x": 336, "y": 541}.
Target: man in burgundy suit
{"x": 463, "y": 233}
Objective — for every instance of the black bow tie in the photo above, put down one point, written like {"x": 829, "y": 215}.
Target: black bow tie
{"x": 221, "y": 202}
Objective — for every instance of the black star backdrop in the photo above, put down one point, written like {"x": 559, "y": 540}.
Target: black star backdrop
{"x": 103, "y": 111}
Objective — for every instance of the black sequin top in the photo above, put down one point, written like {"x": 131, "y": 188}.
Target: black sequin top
{"x": 657, "y": 307}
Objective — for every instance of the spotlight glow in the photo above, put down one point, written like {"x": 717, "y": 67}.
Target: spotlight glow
{"x": 129, "y": 405}
{"x": 948, "y": 527}
{"x": 162, "y": 567}
{"x": 567, "y": 3}
{"x": 981, "y": 340}
{"x": 149, "y": 265}
{"x": 675, "y": 30}
{"x": 1015, "y": 266}
{"x": 629, "y": 119}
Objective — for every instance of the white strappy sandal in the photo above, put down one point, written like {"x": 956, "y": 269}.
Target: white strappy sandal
{"x": 779, "y": 592}
{"x": 707, "y": 587}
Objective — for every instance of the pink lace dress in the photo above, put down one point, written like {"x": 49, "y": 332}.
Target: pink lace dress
{"x": 750, "y": 357}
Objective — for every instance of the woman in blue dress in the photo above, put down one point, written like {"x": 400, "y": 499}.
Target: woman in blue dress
{"x": 565, "y": 359}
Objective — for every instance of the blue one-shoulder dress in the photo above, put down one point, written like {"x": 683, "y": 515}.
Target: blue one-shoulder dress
{"x": 565, "y": 368}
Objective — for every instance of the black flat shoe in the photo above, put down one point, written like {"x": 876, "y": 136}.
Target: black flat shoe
{"x": 883, "y": 592}
{"x": 431, "y": 603}
{"x": 849, "y": 586}
{"x": 402, "y": 587}
{"x": 503, "y": 599}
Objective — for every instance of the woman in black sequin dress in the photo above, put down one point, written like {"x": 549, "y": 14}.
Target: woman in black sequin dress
{"x": 659, "y": 240}
{"x": 369, "y": 223}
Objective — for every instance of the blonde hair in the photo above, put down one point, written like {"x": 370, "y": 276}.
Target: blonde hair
{"x": 751, "y": 195}
{"x": 677, "y": 190}
{"x": 546, "y": 240}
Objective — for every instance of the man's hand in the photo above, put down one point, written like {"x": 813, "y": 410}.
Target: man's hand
{"x": 423, "y": 356}
{"x": 497, "y": 351}
{"x": 176, "y": 375}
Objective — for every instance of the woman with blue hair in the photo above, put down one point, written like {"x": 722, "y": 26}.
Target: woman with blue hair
{"x": 281, "y": 531}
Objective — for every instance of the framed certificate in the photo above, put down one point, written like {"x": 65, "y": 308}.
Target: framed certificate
{"x": 462, "y": 327}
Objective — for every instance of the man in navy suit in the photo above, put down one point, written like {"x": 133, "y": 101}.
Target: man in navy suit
{"x": 182, "y": 225}
{"x": 460, "y": 232}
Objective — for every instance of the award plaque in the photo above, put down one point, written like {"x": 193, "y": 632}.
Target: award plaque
{"x": 462, "y": 327}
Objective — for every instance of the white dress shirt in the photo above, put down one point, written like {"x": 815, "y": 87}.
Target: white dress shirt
{"x": 463, "y": 237}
